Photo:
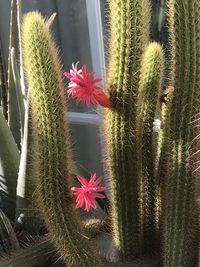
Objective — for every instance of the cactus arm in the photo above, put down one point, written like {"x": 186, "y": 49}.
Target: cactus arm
{"x": 9, "y": 165}
{"x": 52, "y": 145}
{"x": 147, "y": 106}
{"x": 129, "y": 26}
{"x": 13, "y": 109}
{"x": 180, "y": 210}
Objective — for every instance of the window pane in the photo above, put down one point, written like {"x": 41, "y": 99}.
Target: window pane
{"x": 87, "y": 147}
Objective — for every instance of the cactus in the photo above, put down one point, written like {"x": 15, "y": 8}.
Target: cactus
{"x": 11, "y": 242}
{"x": 129, "y": 36}
{"x": 147, "y": 107}
{"x": 52, "y": 139}
{"x": 152, "y": 174}
{"x": 180, "y": 208}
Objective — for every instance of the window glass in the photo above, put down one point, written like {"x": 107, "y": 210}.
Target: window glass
{"x": 87, "y": 146}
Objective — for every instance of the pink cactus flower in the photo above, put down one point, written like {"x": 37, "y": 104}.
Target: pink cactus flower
{"x": 83, "y": 88}
{"x": 88, "y": 192}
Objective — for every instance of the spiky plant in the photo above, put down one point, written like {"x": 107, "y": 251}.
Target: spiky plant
{"x": 53, "y": 156}
{"x": 180, "y": 213}
{"x": 150, "y": 83}
{"x": 128, "y": 38}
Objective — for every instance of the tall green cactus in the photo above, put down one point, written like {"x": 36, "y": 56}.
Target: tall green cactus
{"x": 180, "y": 209}
{"x": 53, "y": 157}
{"x": 129, "y": 24}
{"x": 147, "y": 107}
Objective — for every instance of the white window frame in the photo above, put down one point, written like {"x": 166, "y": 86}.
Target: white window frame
{"x": 98, "y": 60}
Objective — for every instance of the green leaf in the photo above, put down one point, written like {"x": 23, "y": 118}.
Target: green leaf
{"x": 13, "y": 109}
{"x": 27, "y": 215}
{"x": 21, "y": 99}
{"x": 8, "y": 237}
{"x": 9, "y": 165}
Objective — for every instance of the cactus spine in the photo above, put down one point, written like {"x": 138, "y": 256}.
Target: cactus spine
{"x": 129, "y": 22}
{"x": 147, "y": 106}
{"x": 52, "y": 139}
{"x": 180, "y": 210}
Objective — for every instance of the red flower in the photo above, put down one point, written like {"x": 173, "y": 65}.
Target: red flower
{"x": 88, "y": 192}
{"x": 82, "y": 87}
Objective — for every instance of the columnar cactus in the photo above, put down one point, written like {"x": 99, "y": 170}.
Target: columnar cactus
{"x": 148, "y": 105}
{"x": 53, "y": 156}
{"x": 129, "y": 22}
{"x": 180, "y": 211}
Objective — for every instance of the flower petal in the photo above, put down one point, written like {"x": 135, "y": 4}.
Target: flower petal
{"x": 82, "y": 180}
{"x": 98, "y": 180}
